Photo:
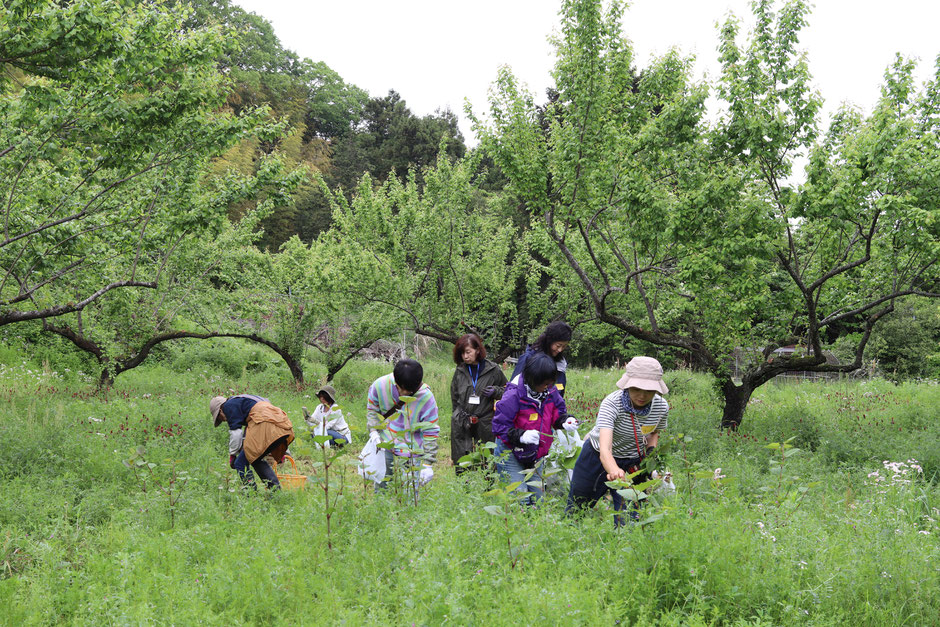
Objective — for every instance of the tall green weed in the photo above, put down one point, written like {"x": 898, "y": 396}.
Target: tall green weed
{"x": 83, "y": 543}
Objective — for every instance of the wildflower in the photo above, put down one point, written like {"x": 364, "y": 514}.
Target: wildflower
{"x": 718, "y": 474}
{"x": 924, "y": 532}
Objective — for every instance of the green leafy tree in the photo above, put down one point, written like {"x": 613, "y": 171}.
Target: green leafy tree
{"x": 434, "y": 259}
{"x": 692, "y": 238}
{"x": 319, "y": 312}
{"x": 313, "y": 100}
{"x": 907, "y": 344}
{"x": 110, "y": 114}
{"x": 122, "y": 329}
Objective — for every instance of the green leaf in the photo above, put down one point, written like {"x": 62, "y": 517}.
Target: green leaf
{"x": 495, "y": 510}
{"x": 650, "y": 519}
{"x": 632, "y": 495}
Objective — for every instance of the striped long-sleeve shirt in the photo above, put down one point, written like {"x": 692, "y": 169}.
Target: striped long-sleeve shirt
{"x": 629, "y": 441}
{"x": 383, "y": 394}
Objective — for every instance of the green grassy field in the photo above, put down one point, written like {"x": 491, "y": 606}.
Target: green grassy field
{"x": 843, "y": 531}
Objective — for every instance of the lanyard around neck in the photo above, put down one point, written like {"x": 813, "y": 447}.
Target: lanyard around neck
{"x": 474, "y": 377}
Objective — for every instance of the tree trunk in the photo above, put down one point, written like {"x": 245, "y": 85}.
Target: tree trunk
{"x": 296, "y": 369}
{"x": 736, "y": 398}
{"x": 105, "y": 379}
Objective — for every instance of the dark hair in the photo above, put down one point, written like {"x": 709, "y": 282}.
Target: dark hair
{"x": 538, "y": 369}
{"x": 408, "y": 375}
{"x": 470, "y": 339}
{"x": 324, "y": 396}
{"x": 557, "y": 331}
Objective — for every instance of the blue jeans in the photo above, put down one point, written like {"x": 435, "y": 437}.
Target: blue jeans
{"x": 589, "y": 482}
{"x": 338, "y": 438}
{"x": 510, "y": 471}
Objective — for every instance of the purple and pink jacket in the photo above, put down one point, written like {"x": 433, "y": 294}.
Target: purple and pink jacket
{"x": 516, "y": 413}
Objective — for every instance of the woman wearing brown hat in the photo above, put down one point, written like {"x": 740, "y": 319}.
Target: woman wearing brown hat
{"x": 628, "y": 425}
{"x": 328, "y": 417}
{"x": 256, "y": 429}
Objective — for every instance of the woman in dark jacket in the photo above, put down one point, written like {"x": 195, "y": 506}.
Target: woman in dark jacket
{"x": 553, "y": 342}
{"x": 477, "y": 383}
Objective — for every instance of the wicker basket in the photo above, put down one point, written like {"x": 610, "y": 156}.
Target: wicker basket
{"x": 291, "y": 481}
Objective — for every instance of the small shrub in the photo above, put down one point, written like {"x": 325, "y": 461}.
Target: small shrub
{"x": 210, "y": 356}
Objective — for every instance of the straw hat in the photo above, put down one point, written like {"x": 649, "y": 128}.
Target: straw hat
{"x": 644, "y": 373}
{"x": 215, "y": 407}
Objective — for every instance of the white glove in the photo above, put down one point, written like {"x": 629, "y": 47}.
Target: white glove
{"x": 570, "y": 424}
{"x": 530, "y": 437}
{"x": 374, "y": 437}
{"x": 426, "y": 474}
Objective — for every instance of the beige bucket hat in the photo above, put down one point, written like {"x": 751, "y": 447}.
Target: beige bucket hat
{"x": 215, "y": 407}
{"x": 644, "y": 373}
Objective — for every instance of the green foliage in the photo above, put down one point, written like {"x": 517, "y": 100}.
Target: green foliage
{"x": 102, "y": 160}
{"x": 689, "y": 235}
{"x": 82, "y": 542}
{"x": 428, "y": 258}
{"x": 390, "y": 139}
{"x": 905, "y": 345}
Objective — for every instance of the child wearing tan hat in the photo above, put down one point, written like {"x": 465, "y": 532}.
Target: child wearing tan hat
{"x": 628, "y": 425}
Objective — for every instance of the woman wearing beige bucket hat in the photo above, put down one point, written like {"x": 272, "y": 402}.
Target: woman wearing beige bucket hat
{"x": 256, "y": 429}
{"x": 628, "y": 425}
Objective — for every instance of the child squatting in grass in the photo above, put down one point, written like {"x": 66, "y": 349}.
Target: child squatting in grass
{"x": 327, "y": 418}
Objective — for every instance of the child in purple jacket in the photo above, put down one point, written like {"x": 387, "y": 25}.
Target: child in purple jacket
{"x": 529, "y": 410}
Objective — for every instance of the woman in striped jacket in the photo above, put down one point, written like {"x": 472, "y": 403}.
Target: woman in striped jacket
{"x": 628, "y": 425}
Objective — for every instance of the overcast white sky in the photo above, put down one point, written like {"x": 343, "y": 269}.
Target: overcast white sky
{"x": 436, "y": 53}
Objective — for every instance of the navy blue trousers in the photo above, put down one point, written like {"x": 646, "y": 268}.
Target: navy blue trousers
{"x": 264, "y": 470}
{"x": 588, "y": 481}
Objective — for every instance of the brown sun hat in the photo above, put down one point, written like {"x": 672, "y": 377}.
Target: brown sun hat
{"x": 215, "y": 407}
{"x": 644, "y": 373}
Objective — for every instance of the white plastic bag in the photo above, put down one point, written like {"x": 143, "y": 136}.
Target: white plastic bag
{"x": 667, "y": 487}
{"x": 564, "y": 444}
{"x": 372, "y": 461}
{"x": 567, "y": 440}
